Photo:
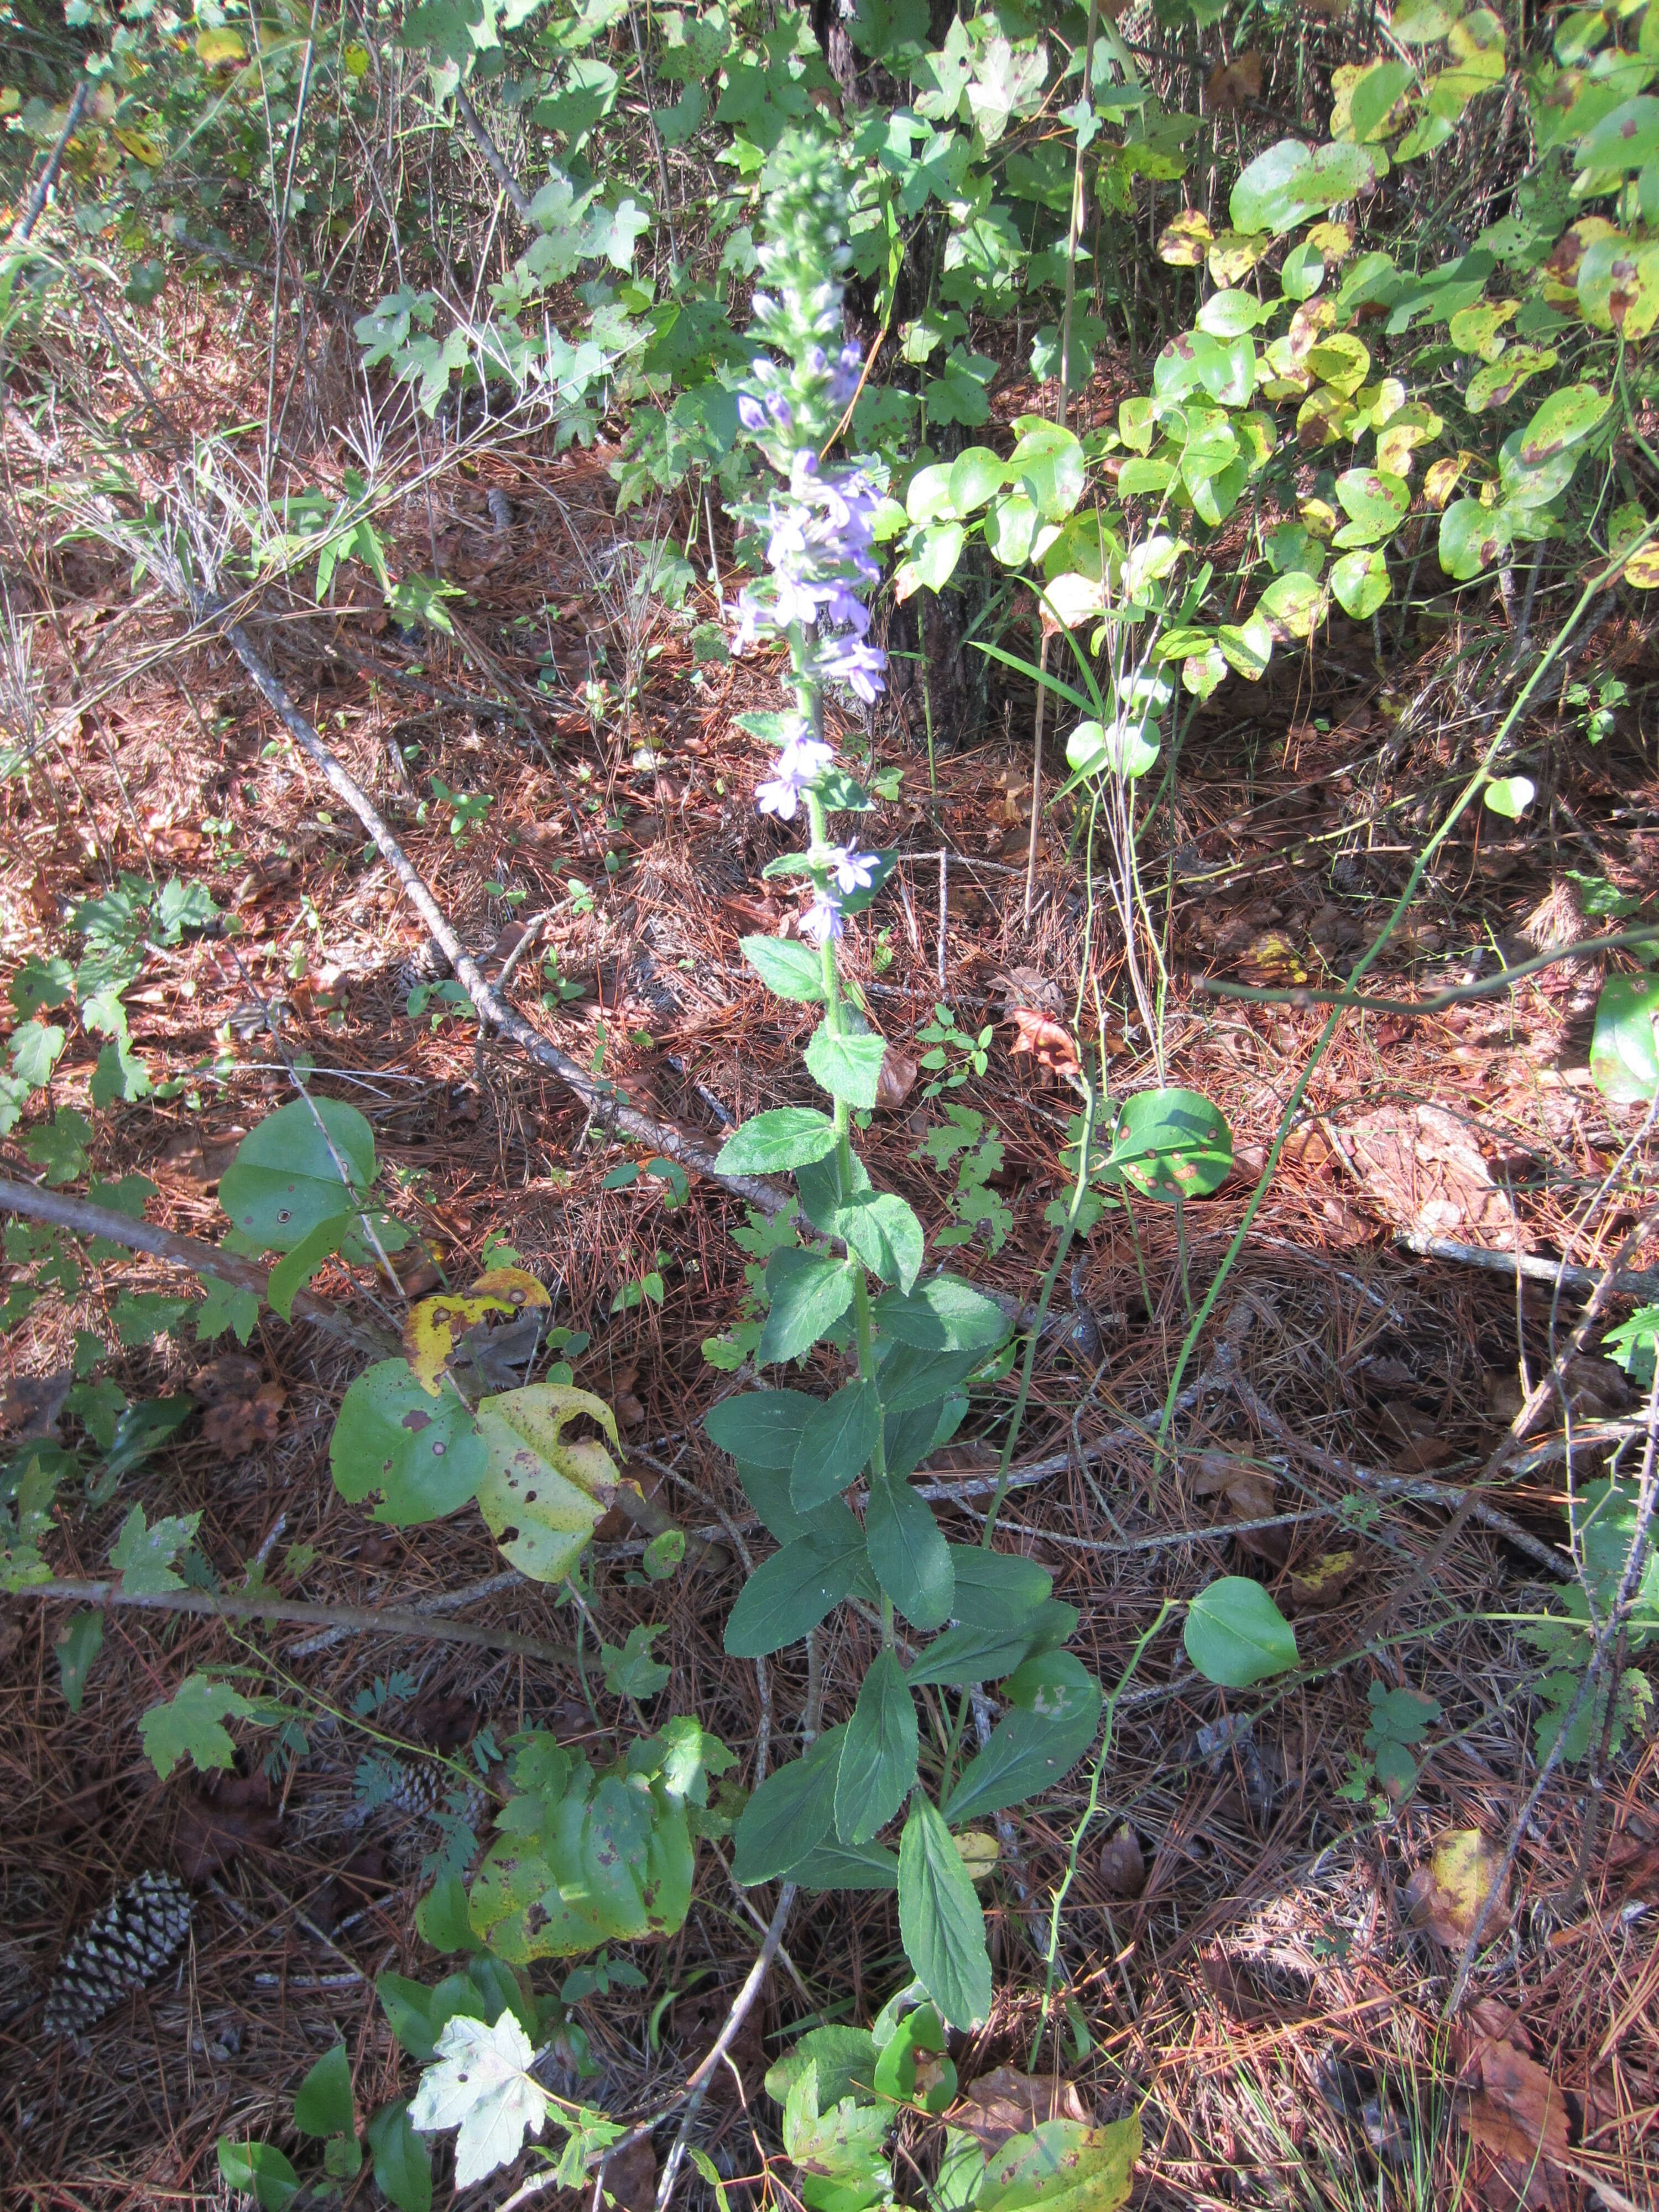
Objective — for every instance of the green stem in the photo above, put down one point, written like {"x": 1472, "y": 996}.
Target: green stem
{"x": 1464, "y": 800}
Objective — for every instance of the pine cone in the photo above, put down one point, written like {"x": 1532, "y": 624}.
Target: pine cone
{"x": 129, "y": 1942}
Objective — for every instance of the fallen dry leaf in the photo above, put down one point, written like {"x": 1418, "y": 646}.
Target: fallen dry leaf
{"x": 630, "y": 2178}
{"x": 1123, "y": 1864}
{"x": 1415, "y": 1437}
{"x": 1446, "y": 1895}
{"x": 237, "y": 1426}
{"x": 1321, "y": 1585}
{"x": 1047, "y": 1043}
{"x": 1029, "y": 988}
{"x": 1006, "y": 2103}
{"x": 30, "y": 1403}
{"x": 1422, "y": 1170}
{"x": 1231, "y": 86}
{"x": 894, "y": 1080}
{"x": 1518, "y": 2116}
{"x": 212, "y": 1830}
{"x": 232, "y": 1375}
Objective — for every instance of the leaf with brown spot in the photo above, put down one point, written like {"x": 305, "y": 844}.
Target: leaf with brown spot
{"x": 1316, "y": 1587}
{"x": 895, "y": 1078}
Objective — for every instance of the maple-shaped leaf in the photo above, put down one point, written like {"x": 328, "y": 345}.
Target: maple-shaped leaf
{"x": 480, "y": 2083}
{"x": 1048, "y": 1044}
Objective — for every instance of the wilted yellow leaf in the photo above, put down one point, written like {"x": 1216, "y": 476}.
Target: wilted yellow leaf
{"x": 436, "y": 1325}
{"x": 1446, "y": 1896}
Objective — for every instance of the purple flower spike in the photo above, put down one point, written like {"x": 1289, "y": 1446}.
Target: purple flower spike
{"x": 861, "y": 667}
{"x": 851, "y": 871}
{"x": 798, "y": 767}
{"x": 750, "y": 413}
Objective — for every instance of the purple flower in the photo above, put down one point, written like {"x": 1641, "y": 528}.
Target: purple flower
{"x": 851, "y": 871}
{"x": 752, "y": 416}
{"x": 844, "y": 377}
{"x": 798, "y": 767}
{"x": 849, "y": 661}
{"x": 822, "y": 920}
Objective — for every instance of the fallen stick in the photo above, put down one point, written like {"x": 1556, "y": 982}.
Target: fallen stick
{"x": 371, "y": 1620}
{"x": 1578, "y": 1282}
{"x": 85, "y": 1219}
{"x": 600, "y": 1099}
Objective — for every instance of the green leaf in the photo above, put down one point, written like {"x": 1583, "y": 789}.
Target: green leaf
{"x": 1054, "y": 1711}
{"x": 140, "y": 1316}
{"x": 835, "y": 1445}
{"x": 1171, "y": 1144}
{"x": 406, "y": 2006}
{"x": 144, "y": 1554}
{"x": 59, "y": 1147}
{"x": 932, "y": 562}
{"x": 188, "y": 1726}
{"x": 848, "y": 1067}
{"x": 322, "y": 2105}
{"x": 808, "y": 1293}
{"x": 911, "y": 1379}
{"x": 787, "y": 969}
{"x": 911, "y": 1559}
{"x": 839, "y": 2150}
{"x": 790, "y": 1813}
{"x": 997, "y": 1589}
{"x": 940, "y": 1923}
{"x": 790, "y": 1593}
{"x": 787, "y": 1137}
{"x": 1048, "y": 467}
{"x": 1375, "y": 501}
{"x": 845, "y": 2058}
{"x": 1626, "y": 139}
{"x": 35, "y": 1047}
{"x": 1063, "y": 2165}
{"x": 140, "y": 1429}
{"x": 77, "y": 1645}
{"x": 261, "y": 2169}
{"x": 1472, "y": 538}
{"x": 972, "y": 1655}
{"x": 403, "y": 2164}
{"x": 1624, "y": 1061}
{"x": 1509, "y": 795}
{"x": 225, "y": 1306}
{"x": 1359, "y": 581}
{"x": 41, "y": 985}
{"x": 761, "y": 1428}
{"x": 835, "y": 1867}
{"x": 1234, "y": 1634}
{"x": 631, "y": 1672}
{"x": 1291, "y": 181}
{"x": 120, "y": 1075}
{"x": 425, "y": 1454}
{"x": 295, "y": 1269}
{"x": 944, "y": 1314}
{"x": 1564, "y": 419}
{"x": 879, "y": 1755}
{"x": 481, "y": 2085}
{"x": 880, "y": 1229}
{"x": 976, "y": 474}
{"x": 283, "y": 1180}
{"x": 922, "y": 2031}
{"x": 441, "y": 1917}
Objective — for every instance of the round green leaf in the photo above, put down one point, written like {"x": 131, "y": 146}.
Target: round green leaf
{"x": 1171, "y": 1144}
{"x": 1472, "y": 537}
{"x": 1291, "y": 181}
{"x": 322, "y": 2104}
{"x": 1624, "y": 1057}
{"x": 1509, "y": 795}
{"x": 1294, "y": 605}
{"x": 1048, "y": 467}
{"x": 1234, "y": 1634}
{"x": 1360, "y": 582}
{"x": 1375, "y": 501}
{"x": 1303, "y": 273}
{"x": 425, "y": 1454}
{"x": 1564, "y": 419}
{"x": 1230, "y": 314}
{"x": 283, "y": 1182}
{"x": 976, "y": 475}
{"x": 540, "y": 1494}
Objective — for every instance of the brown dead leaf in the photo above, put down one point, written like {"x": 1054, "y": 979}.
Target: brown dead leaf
{"x": 630, "y": 2178}
{"x": 1029, "y": 988}
{"x": 1322, "y": 1584}
{"x": 30, "y": 1403}
{"x": 1231, "y": 86}
{"x": 232, "y": 1375}
{"x": 1518, "y": 2116}
{"x": 896, "y": 1078}
{"x": 1445, "y": 1896}
{"x": 1008, "y": 2103}
{"x": 212, "y": 1830}
{"x": 1123, "y": 1864}
{"x": 237, "y": 1425}
{"x": 1413, "y": 1436}
{"x": 1422, "y": 1170}
{"x": 1047, "y": 1043}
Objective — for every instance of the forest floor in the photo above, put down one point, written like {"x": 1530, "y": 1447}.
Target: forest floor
{"x": 1240, "y": 1952}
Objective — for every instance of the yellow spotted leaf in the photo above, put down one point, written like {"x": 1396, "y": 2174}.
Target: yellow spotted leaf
{"x": 1642, "y": 568}
{"x": 979, "y": 1853}
{"x": 1446, "y": 1896}
{"x": 436, "y": 1325}
{"x": 216, "y": 48}
{"x": 541, "y": 1496}
{"x": 142, "y": 145}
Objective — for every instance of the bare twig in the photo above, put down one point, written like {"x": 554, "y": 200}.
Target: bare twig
{"x": 43, "y": 183}
{"x": 1581, "y": 1281}
{"x": 62, "y": 1211}
{"x": 1484, "y": 987}
{"x": 367, "y": 1619}
{"x": 492, "y": 154}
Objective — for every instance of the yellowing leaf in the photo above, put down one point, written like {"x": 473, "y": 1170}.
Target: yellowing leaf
{"x": 1185, "y": 241}
{"x": 1446, "y": 1896}
{"x": 1442, "y": 478}
{"x": 1642, "y": 570}
{"x": 143, "y": 146}
{"x": 436, "y": 1325}
{"x": 979, "y": 1854}
{"x": 540, "y": 1494}
{"x": 215, "y": 48}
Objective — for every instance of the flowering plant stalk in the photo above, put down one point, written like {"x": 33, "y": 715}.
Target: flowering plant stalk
{"x": 829, "y": 1477}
